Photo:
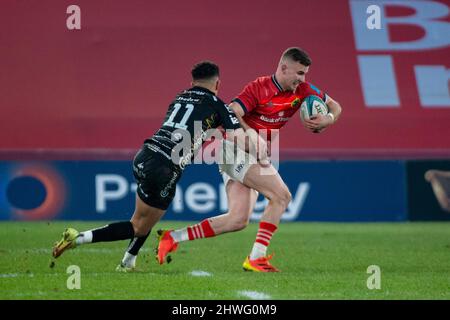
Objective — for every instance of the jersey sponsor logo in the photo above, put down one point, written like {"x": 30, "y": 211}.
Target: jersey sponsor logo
{"x": 295, "y": 103}
{"x": 200, "y": 93}
{"x": 187, "y": 100}
{"x": 273, "y": 120}
{"x": 189, "y": 146}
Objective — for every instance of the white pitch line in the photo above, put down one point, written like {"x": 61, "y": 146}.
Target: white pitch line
{"x": 200, "y": 273}
{"x": 39, "y": 293}
{"x": 254, "y": 295}
{"x": 9, "y": 275}
{"x": 15, "y": 275}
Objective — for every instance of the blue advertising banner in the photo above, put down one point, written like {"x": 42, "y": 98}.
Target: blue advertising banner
{"x": 105, "y": 190}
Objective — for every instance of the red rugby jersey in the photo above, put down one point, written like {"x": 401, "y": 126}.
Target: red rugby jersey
{"x": 267, "y": 106}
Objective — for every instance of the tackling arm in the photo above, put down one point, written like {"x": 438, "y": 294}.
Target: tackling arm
{"x": 257, "y": 141}
{"x": 236, "y": 107}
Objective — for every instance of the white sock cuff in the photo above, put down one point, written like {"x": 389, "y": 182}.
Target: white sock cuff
{"x": 180, "y": 235}
{"x": 84, "y": 237}
{"x": 259, "y": 250}
{"x": 129, "y": 260}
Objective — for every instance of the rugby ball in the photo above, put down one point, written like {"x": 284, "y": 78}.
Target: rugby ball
{"x": 311, "y": 106}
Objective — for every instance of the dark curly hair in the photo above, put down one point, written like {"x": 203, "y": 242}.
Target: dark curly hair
{"x": 205, "y": 70}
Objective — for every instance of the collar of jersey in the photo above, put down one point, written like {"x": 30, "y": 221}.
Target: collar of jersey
{"x": 276, "y": 83}
{"x": 202, "y": 89}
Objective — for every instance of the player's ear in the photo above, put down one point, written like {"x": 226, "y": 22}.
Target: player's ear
{"x": 217, "y": 84}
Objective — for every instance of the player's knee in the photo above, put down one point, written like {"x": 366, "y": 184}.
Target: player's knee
{"x": 287, "y": 197}
{"x": 140, "y": 233}
{"x": 139, "y": 230}
{"x": 283, "y": 197}
{"x": 238, "y": 217}
{"x": 239, "y": 224}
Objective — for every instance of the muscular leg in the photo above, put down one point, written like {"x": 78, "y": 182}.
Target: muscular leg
{"x": 241, "y": 201}
{"x": 272, "y": 187}
{"x": 275, "y": 190}
{"x": 242, "y": 198}
{"x": 143, "y": 219}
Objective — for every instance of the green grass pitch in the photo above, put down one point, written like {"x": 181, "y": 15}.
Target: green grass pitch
{"x": 318, "y": 261}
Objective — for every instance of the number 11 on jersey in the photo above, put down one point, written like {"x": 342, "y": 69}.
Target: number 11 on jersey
{"x": 182, "y": 124}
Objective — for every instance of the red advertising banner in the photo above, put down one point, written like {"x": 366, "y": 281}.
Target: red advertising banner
{"x": 100, "y": 74}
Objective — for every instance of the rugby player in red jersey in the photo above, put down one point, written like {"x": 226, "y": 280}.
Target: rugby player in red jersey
{"x": 266, "y": 103}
